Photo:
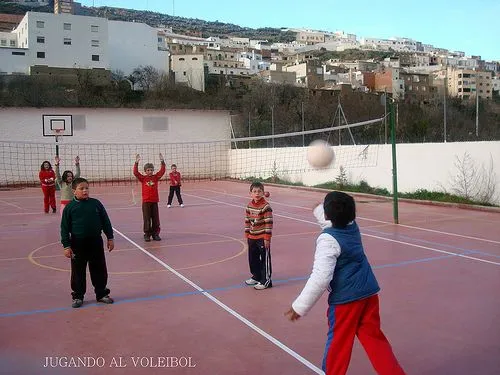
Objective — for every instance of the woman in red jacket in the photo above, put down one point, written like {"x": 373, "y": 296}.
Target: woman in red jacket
{"x": 47, "y": 178}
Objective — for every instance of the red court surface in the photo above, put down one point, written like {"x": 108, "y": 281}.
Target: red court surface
{"x": 182, "y": 307}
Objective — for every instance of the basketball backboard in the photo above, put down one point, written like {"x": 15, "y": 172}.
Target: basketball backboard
{"x": 57, "y": 125}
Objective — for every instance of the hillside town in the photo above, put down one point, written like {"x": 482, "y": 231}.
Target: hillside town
{"x": 65, "y": 42}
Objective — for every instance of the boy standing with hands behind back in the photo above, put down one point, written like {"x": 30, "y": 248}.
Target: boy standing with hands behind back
{"x": 150, "y": 197}
{"x": 258, "y": 231}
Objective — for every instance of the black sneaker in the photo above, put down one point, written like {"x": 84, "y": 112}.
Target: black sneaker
{"x": 77, "y": 303}
{"x": 106, "y": 299}
{"x": 156, "y": 237}
{"x": 147, "y": 237}
{"x": 54, "y": 210}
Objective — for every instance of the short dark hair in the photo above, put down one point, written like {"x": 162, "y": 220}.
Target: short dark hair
{"x": 65, "y": 175}
{"x": 173, "y": 165}
{"x": 339, "y": 208}
{"x": 46, "y": 161}
{"x": 149, "y": 165}
{"x": 78, "y": 181}
{"x": 258, "y": 185}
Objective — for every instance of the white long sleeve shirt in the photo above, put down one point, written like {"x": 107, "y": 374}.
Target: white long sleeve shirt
{"x": 325, "y": 259}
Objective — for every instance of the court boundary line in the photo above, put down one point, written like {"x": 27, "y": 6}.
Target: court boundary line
{"x": 238, "y": 316}
{"x": 381, "y": 238}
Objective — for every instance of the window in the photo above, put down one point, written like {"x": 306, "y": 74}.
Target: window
{"x": 194, "y": 59}
{"x": 95, "y": 43}
{"x": 40, "y": 55}
{"x": 40, "y": 24}
{"x": 94, "y": 28}
{"x": 182, "y": 59}
{"x": 95, "y": 57}
{"x": 12, "y": 43}
{"x": 67, "y": 26}
{"x": 40, "y": 39}
{"x": 67, "y": 41}
{"x": 184, "y": 73}
{"x": 3, "y": 42}
{"x": 17, "y": 53}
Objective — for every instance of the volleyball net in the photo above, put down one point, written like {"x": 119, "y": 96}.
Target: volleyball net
{"x": 355, "y": 146}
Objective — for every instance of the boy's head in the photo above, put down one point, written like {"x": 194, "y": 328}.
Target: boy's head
{"x": 149, "y": 168}
{"x": 80, "y": 188}
{"x": 46, "y": 165}
{"x": 256, "y": 191}
{"x": 173, "y": 167}
{"x": 67, "y": 177}
{"x": 339, "y": 208}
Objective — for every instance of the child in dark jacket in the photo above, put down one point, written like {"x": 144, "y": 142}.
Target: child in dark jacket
{"x": 150, "y": 197}
{"x": 82, "y": 222}
{"x": 341, "y": 266}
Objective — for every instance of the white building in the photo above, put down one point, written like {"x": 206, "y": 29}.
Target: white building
{"x": 69, "y": 41}
{"x": 189, "y": 70}
{"x": 396, "y": 44}
{"x": 56, "y": 40}
{"x": 134, "y": 44}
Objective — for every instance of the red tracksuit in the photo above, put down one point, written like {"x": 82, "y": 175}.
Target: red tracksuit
{"x": 48, "y": 180}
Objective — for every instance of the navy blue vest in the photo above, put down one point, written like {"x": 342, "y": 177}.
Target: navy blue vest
{"x": 353, "y": 278}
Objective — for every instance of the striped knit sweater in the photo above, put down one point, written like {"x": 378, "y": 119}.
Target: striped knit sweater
{"x": 258, "y": 220}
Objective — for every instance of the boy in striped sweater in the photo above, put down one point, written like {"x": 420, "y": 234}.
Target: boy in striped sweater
{"x": 258, "y": 231}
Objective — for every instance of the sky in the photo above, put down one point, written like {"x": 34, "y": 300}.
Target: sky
{"x": 457, "y": 25}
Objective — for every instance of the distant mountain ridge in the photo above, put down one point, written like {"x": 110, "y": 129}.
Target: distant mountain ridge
{"x": 179, "y": 25}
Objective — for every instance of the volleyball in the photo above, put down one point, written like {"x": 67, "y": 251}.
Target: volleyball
{"x": 320, "y": 154}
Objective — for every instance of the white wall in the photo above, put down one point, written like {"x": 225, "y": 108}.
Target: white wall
{"x": 117, "y": 125}
{"x": 430, "y": 166}
{"x": 134, "y": 44}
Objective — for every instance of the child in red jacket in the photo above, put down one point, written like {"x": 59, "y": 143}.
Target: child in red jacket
{"x": 47, "y": 178}
{"x": 175, "y": 186}
{"x": 150, "y": 197}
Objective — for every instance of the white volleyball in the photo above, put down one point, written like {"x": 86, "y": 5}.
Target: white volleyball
{"x": 320, "y": 154}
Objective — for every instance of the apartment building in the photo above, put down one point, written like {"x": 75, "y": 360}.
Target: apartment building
{"x": 310, "y": 37}
{"x": 58, "y": 41}
{"x": 63, "y": 6}
{"x": 418, "y": 87}
{"x": 388, "y": 80}
{"x": 467, "y": 83}
{"x": 308, "y": 74}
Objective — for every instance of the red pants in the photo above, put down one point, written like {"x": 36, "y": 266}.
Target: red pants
{"x": 49, "y": 197}
{"x": 362, "y": 319}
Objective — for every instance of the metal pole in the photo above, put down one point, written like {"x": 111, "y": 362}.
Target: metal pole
{"x": 477, "y": 114}
{"x": 272, "y": 123}
{"x": 444, "y": 103}
{"x": 385, "y": 115}
{"x": 303, "y": 127}
{"x": 394, "y": 164}
{"x": 249, "y": 129}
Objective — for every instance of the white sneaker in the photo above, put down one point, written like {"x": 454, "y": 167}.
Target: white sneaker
{"x": 168, "y": 206}
{"x": 251, "y": 281}
{"x": 182, "y": 205}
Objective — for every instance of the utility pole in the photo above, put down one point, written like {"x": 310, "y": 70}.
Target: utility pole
{"x": 272, "y": 123}
{"x": 303, "y": 127}
{"x": 385, "y": 115}
{"x": 477, "y": 114}
{"x": 444, "y": 103}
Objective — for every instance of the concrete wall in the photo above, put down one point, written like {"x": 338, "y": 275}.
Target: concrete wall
{"x": 198, "y": 142}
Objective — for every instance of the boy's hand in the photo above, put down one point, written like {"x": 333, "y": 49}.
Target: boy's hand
{"x": 291, "y": 315}
{"x": 68, "y": 253}
{"x": 57, "y": 160}
{"x": 111, "y": 244}
{"x": 137, "y": 158}
{"x": 77, "y": 160}
{"x": 267, "y": 244}
{"x": 161, "y": 157}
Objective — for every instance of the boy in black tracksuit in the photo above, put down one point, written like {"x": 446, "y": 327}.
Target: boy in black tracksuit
{"x": 82, "y": 222}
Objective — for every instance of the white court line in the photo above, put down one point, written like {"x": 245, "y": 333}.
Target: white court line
{"x": 276, "y": 342}
{"x": 450, "y": 234}
{"x": 387, "y": 239}
{"x": 12, "y": 204}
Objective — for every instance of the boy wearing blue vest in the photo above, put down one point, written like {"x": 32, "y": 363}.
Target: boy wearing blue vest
{"x": 341, "y": 266}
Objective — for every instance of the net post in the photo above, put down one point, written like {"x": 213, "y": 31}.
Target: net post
{"x": 394, "y": 162}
